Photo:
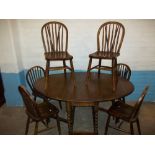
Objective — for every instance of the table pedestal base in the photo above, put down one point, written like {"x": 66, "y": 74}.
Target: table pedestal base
{"x": 70, "y": 117}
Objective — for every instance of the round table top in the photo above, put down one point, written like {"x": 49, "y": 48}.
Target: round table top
{"x": 62, "y": 88}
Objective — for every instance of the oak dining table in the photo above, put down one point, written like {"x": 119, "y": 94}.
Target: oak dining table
{"x": 97, "y": 89}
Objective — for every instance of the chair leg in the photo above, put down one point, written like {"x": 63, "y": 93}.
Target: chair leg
{"x": 89, "y": 68}
{"x": 36, "y": 128}
{"x": 123, "y": 99}
{"x": 47, "y": 121}
{"x": 71, "y": 64}
{"x": 131, "y": 129}
{"x": 35, "y": 97}
{"x": 60, "y": 105}
{"x": 114, "y": 73}
{"x": 99, "y": 65}
{"x": 120, "y": 124}
{"x": 114, "y": 104}
{"x": 138, "y": 126}
{"x": 47, "y": 68}
{"x": 58, "y": 125}
{"x": 72, "y": 67}
{"x": 107, "y": 125}
{"x": 27, "y": 125}
{"x": 64, "y": 64}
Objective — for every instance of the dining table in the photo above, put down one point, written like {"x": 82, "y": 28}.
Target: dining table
{"x": 82, "y": 92}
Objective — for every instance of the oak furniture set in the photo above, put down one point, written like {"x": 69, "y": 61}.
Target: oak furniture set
{"x": 80, "y": 89}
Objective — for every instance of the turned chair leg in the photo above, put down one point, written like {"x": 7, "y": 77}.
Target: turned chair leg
{"x": 107, "y": 125}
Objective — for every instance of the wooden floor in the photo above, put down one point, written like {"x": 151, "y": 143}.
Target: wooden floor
{"x": 13, "y": 120}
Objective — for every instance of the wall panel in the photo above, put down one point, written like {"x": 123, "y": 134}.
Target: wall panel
{"x": 21, "y": 48}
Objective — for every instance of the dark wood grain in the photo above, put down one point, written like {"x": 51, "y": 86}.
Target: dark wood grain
{"x": 41, "y": 112}
{"x": 61, "y": 88}
{"x": 126, "y": 113}
{"x": 90, "y": 93}
{"x": 110, "y": 37}
{"x": 55, "y": 41}
{"x": 32, "y": 75}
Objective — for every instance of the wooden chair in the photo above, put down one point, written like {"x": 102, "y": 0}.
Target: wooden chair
{"x": 124, "y": 71}
{"x": 55, "y": 42}
{"x": 110, "y": 36}
{"x": 32, "y": 75}
{"x": 38, "y": 112}
{"x": 126, "y": 113}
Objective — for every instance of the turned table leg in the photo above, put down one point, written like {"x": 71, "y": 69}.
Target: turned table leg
{"x": 69, "y": 118}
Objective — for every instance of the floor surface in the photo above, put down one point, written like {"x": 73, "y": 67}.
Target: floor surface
{"x": 13, "y": 121}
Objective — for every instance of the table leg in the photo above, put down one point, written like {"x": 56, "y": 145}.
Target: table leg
{"x": 96, "y": 119}
{"x": 69, "y": 118}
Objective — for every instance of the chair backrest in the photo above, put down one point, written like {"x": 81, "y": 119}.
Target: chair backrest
{"x": 30, "y": 104}
{"x": 124, "y": 71}
{"x": 55, "y": 37}
{"x": 110, "y": 37}
{"x": 33, "y": 74}
{"x": 139, "y": 102}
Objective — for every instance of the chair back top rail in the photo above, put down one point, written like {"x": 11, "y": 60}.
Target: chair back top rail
{"x": 123, "y": 70}
{"x": 110, "y": 36}
{"x": 30, "y": 104}
{"x": 33, "y": 74}
{"x": 55, "y": 37}
{"x": 139, "y": 102}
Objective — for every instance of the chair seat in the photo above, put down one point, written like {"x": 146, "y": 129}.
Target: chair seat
{"x": 58, "y": 56}
{"x": 46, "y": 110}
{"x": 126, "y": 113}
{"x": 104, "y": 55}
{"x": 121, "y": 110}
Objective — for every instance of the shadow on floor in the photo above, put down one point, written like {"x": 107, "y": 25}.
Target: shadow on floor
{"x": 13, "y": 120}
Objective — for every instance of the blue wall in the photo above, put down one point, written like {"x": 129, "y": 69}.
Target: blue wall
{"x": 140, "y": 79}
{"x": 11, "y": 82}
